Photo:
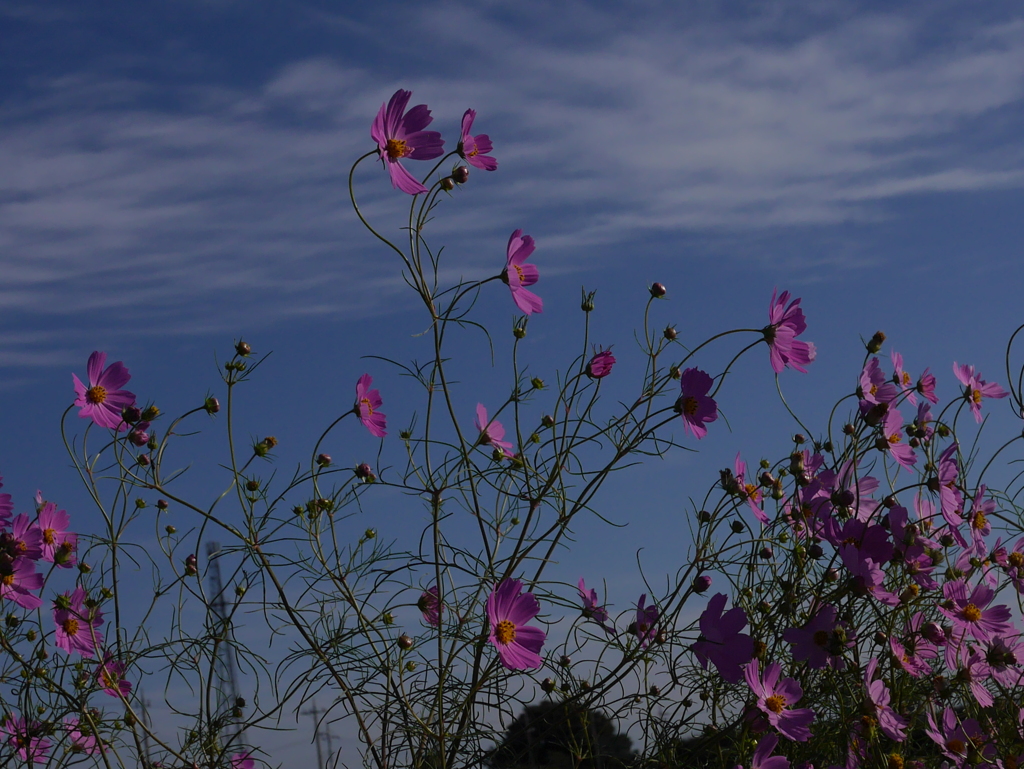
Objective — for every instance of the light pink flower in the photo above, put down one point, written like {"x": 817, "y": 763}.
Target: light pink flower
{"x": 76, "y": 623}
{"x": 976, "y": 388}
{"x": 508, "y": 611}
{"x": 475, "y": 148}
{"x": 367, "y": 404}
{"x": 491, "y": 431}
{"x": 58, "y": 543}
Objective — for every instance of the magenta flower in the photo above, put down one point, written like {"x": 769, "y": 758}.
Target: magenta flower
{"x": 645, "y": 627}
{"x": 24, "y": 540}
{"x": 6, "y": 506}
{"x": 592, "y": 609}
{"x": 26, "y": 739}
{"x": 518, "y": 275}
{"x": 951, "y": 501}
{"x": 399, "y": 134}
{"x": 892, "y": 439}
{"x": 893, "y": 725}
{"x": 430, "y": 607}
{"x": 776, "y": 698}
{"x": 749, "y": 490}
{"x": 491, "y": 432}
{"x": 976, "y": 388}
{"x": 694, "y": 405}
{"x": 821, "y": 641}
{"x": 763, "y": 758}
{"x": 721, "y": 641}
{"x": 508, "y": 611}
{"x": 242, "y": 761}
{"x": 971, "y": 614}
{"x": 58, "y": 544}
{"x": 600, "y": 365}
{"x": 76, "y": 623}
{"x": 475, "y": 148}
{"x": 103, "y": 400}
{"x": 367, "y": 403}
{"x": 1004, "y": 657}
{"x": 17, "y": 578}
{"x": 902, "y": 379}
{"x": 926, "y": 386}
{"x": 956, "y": 739}
{"x": 82, "y": 738}
{"x": 874, "y": 387}
{"x": 110, "y": 675}
{"x": 784, "y": 325}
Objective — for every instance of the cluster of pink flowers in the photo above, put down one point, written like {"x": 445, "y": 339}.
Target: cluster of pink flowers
{"x": 25, "y": 542}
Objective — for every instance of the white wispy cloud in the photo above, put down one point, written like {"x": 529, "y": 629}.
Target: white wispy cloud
{"x": 236, "y": 198}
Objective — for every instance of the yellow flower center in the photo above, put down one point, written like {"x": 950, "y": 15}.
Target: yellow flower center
{"x": 7, "y": 580}
{"x": 690, "y": 405}
{"x": 895, "y": 761}
{"x": 979, "y": 520}
{"x": 873, "y": 389}
{"x": 70, "y": 626}
{"x": 473, "y": 152}
{"x": 48, "y": 536}
{"x": 505, "y": 632}
{"x": 971, "y": 613}
{"x": 895, "y": 437}
{"x": 955, "y": 746}
{"x": 776, "y": 703}
{"x": 1016, "y": 560}
{"x": 108, "y": 679}
{"x": 751, "y": 491}
{"x": 96, "y": 394}
{"x": 519, "y": 271}
{"x": 906, "y": 379}
{"x": 396, "y": 148}
{"x": 366, "y": 402}
{"x": 976, "y": 396}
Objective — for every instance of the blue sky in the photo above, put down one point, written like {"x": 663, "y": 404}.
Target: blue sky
{"x": 174, "y": 178}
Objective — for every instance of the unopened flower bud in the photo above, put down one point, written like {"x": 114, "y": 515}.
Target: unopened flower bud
{"x": 364, "y": 472}
{"x": 252, "y": 485}
{"x": 799, "y": 438}
{"x": 661, "y": 637}
{"x": 655, "y": 691}
{"x": 460, "y": 175}
{"x": 657, "y": 290}
{"x": 933, "y": 632}
{"x": 243, "y": 348}
{"x": 565, "y": 660}
{"x": 766, "y": 553}
{"x": 814, "y": 551}
{"x": 701, "y": 583}
{"x": 547, "y": 685}
{"x": 404, "y": 642}
{"x": 447, "y": 184}
{"x": 832, "y": 575}
{"x": 537, "y": 382}
{"x": 161, "y": 504}
{"x": 370, "y": 533}
{"x": 849, "y": 429}
{"x": 212, "y": 405}
{"x": 736, "y": 526}
{"x": 704, "y": 516}
{"x": 547, "y": 420}
{"x": 519, "y": 330}
{"x": 587, "y": 303}
{"x": 170, "y": 529}
{"x": 240, "y": 590}
{"x": 324, "y": 460}
{"x": 875, "y": 342}
{"x": 131, "y": 414}
{"x": 150, "y": 413}
{"x": 881, "y": 638}
{"x": 670, "y": 333}
{"x": 191, "y": 565}
{"x": 144, "y": 460}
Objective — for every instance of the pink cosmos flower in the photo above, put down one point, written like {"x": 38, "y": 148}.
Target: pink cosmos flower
{"x": 6, "y": 506}
{"x": 976, "y": 388}
{"x": 367, "y": 404}
{"x": 429, "y": 605}
{"x": 646, "y": 625}
{"x": 110, "y": 675}
{"x": 784, "y": 325}
{"x": 776, "y": 698}
{"x": 491, "y": 432}
{"x": 399, "y": 134}
{"x": 82, "y": 738}
{"x": 475, "y": 148}
{"x": 600, "y": 365}
{"x": 518, "y": 275}
{"x": 24, "y": 737}
{"x": 76, "y": 623}
{"x": 103, "y": 400}
{"x": 721, "y": 641}
{"x": 821, "y": 641}
{"x": 242, "y": 761}
{"x": 24, "y": 540}
{"x": 750, "y": 490}
{"x": 17, "y": 578}
{"x": 1004, "y": 657}
{"x": 893, "y": 725}
{"x": 694, "y": 405}
{"x": 58, "y": 543}
{"x": 508, "y": 611}
{"x": 902, "y": 379}
{"x": 592, "y": 609}
{"x": 971, "y": 613}
{"x": 956, "y": 739}
{"x": 874, "y": 388}
{"x": 951, "y": 501}
{"x": 891, "y": 439}
{"x": 763, "y": 758}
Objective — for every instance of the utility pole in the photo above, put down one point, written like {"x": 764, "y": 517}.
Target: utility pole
{"x": 224, "y": 664}
{"x": 147, "y": 756}
{"x": 318, "y": 736}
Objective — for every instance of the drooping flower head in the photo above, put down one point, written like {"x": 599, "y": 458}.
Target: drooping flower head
{"x": 784, "y": 325}
{"x": 58, "y": 544}
{"x": 517, "y": 275}
{"x": 645, "y": 627}
{"x": 721, "y": 641}
{"x": 592, "y": 609}
{"x": 429, "y": 605}
{"x": 892, "y": 724}
{"x": 103, "y": 400}
{"x": 775, "y": 698}
{"x": 475, "y": 148}
{"x": 976, "y": 388}
{"x": 399, "y": 134}
{"x": 110, "y": 675}
{"x": 508, "y": 611}
{"x": 25, "y": 738}
{"x": 694, "y": 405}
{"x": 77, "y": 623}
{"x": 600, "y": 365}
{"x": 367, "y": 404}
{"x": 491, "y": 431}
